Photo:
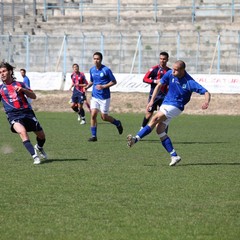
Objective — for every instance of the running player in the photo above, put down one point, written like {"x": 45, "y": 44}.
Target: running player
{"x": 21, "y": 117}
{"x": 79, "y": 83}
{"x": 101, "y": 78}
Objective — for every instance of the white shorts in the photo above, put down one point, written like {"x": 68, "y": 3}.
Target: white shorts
{"x": 101, "y": 104}
{"x": 170, "y": 112}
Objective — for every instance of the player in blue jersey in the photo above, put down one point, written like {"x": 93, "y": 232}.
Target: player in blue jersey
{"x": 26, "y": 81}
{"x": 181, "y": 86}
{"x": 152, "y": 77}
{"x": 21, "y": 117}
{"x": 101, "y": 79}
{"x": 79, "y": 82}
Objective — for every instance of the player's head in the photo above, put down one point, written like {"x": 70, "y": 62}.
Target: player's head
{"x": 75, "y": 67}
{"x": 23, "y": 72}
{"x": 178, "y": 69}
{"x": 97, "y": 58}
{"x": 6, "y": 71}
{"x": 163, "y": 59}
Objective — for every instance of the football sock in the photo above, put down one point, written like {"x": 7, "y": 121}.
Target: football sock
{"x": 94, "y": 131}
{"x": 167, "y": 144}
{"x": 116, "y": 122}
{"x": 40, "y": 142}
{"x": 81, "y": 113}
{"x": 143, "y": 132}
{"x": 27, "y": 144}
{"x": 145, "y": 122}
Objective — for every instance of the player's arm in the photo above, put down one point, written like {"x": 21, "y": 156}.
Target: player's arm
{"x": 29, "y": 93}
{"x": 108, "y": 85}
{"x": 71, "y": 86}
{"x": 207, "y": 96}
{"x": 148, "y": 78}
{"x": 155, "y": 93}
{"x": 89, "y": 85}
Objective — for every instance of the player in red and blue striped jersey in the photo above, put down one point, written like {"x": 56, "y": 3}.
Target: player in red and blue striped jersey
{"x": 21, "y": 117}
{"x": 79, "y": 82}
{"x": 153, "y": 77}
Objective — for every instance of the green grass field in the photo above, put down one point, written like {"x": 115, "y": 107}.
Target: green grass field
{"x": 103, "y": 190}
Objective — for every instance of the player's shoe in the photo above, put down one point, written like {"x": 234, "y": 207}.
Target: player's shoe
{"x": 40, "y": 151}
{"x": 36, "y": 159}
{"x": 79, "y": 118}
{"x": 174, "y": 160}
{"x": 130, "y": 140}
{"x": 92, "y": 139}
{"x": 83, "y": 122}
{"x": 120, "y": 128}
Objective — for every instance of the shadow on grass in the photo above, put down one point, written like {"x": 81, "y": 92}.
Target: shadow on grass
{"x": 208, "y": 164}
{"x": 64, "y": 160}
{"x": 144, "y": 140}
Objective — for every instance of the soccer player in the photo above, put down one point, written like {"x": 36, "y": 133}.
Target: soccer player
{"x": 181, "y": 86}
{"x": 21, "y": 117}
{"x": 153, "y": 77}
{"x": 79, "y": 83}
{"x": 101, "y": 79}
{"x": 26, "y": 81}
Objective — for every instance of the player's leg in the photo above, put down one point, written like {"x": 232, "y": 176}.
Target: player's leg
{"x": 81, "y": 113}
{"x": 104, "y": 108}
{"x": 170, "y": 112}
{"x": 146, "y": 118}
{"x": 157, "y": 118}
{"x": 93, "y": 121}
{"x": 20, "y": 129}
{"x": 41, "y": 139}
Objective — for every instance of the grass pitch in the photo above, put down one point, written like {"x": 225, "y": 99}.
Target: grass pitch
{"x": 103, "y": 190}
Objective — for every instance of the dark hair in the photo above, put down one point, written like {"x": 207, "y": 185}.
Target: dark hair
{"x": 75, "y": 64}
{"x": 8, "y": 66}
{"x": 22, "y": 69}
{"x": 164, "y": 54}
{"x": 99, "y": 54}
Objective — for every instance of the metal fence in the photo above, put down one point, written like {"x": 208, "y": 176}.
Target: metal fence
{"x": 215, "y": 54}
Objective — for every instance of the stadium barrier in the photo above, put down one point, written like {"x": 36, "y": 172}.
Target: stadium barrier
{"x": 226, "y": 84}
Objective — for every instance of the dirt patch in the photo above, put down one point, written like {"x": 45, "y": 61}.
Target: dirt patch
{"x": 58, "y": 101}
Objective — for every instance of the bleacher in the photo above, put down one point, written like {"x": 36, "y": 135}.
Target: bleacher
{"x": 99, "y": 26}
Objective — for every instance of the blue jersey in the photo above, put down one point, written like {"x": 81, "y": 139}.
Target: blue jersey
{"x": 101, "y": 76}
{"x": 26, "y": 81}
{"x": 180, "y": 89}
{"x": 13, "y": 102}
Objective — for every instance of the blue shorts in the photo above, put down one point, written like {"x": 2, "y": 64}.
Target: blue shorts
{"x": 78, "y": 97}
{"x": 27, "y": 118}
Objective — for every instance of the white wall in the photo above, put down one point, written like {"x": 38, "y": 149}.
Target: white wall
{"x": 229, "y": 84}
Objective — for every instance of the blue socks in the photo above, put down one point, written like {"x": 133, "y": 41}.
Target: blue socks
{"x": 27, "y": 144}
{"x": 143, "y": 132}
{"x": 94, "y": 131}
{"x": 167, "y": 144}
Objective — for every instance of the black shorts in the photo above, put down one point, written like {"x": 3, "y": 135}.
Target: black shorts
{"x": 27, "y": 119}
{"x": 78, "y": 97}
{"x": 157, "y": 103}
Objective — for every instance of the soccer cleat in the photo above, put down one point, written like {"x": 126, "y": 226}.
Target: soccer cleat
{"x": 174, "y": 160}
{"x": 120, "y": 128}
{"x": 40, "y": 151}
{"x": 130, "y": 140}
{"x": 83, "y": 122}
{"x": 36, "y": 160}
{"x": 92, "y": 139}
{"x": 79, "y": 118}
